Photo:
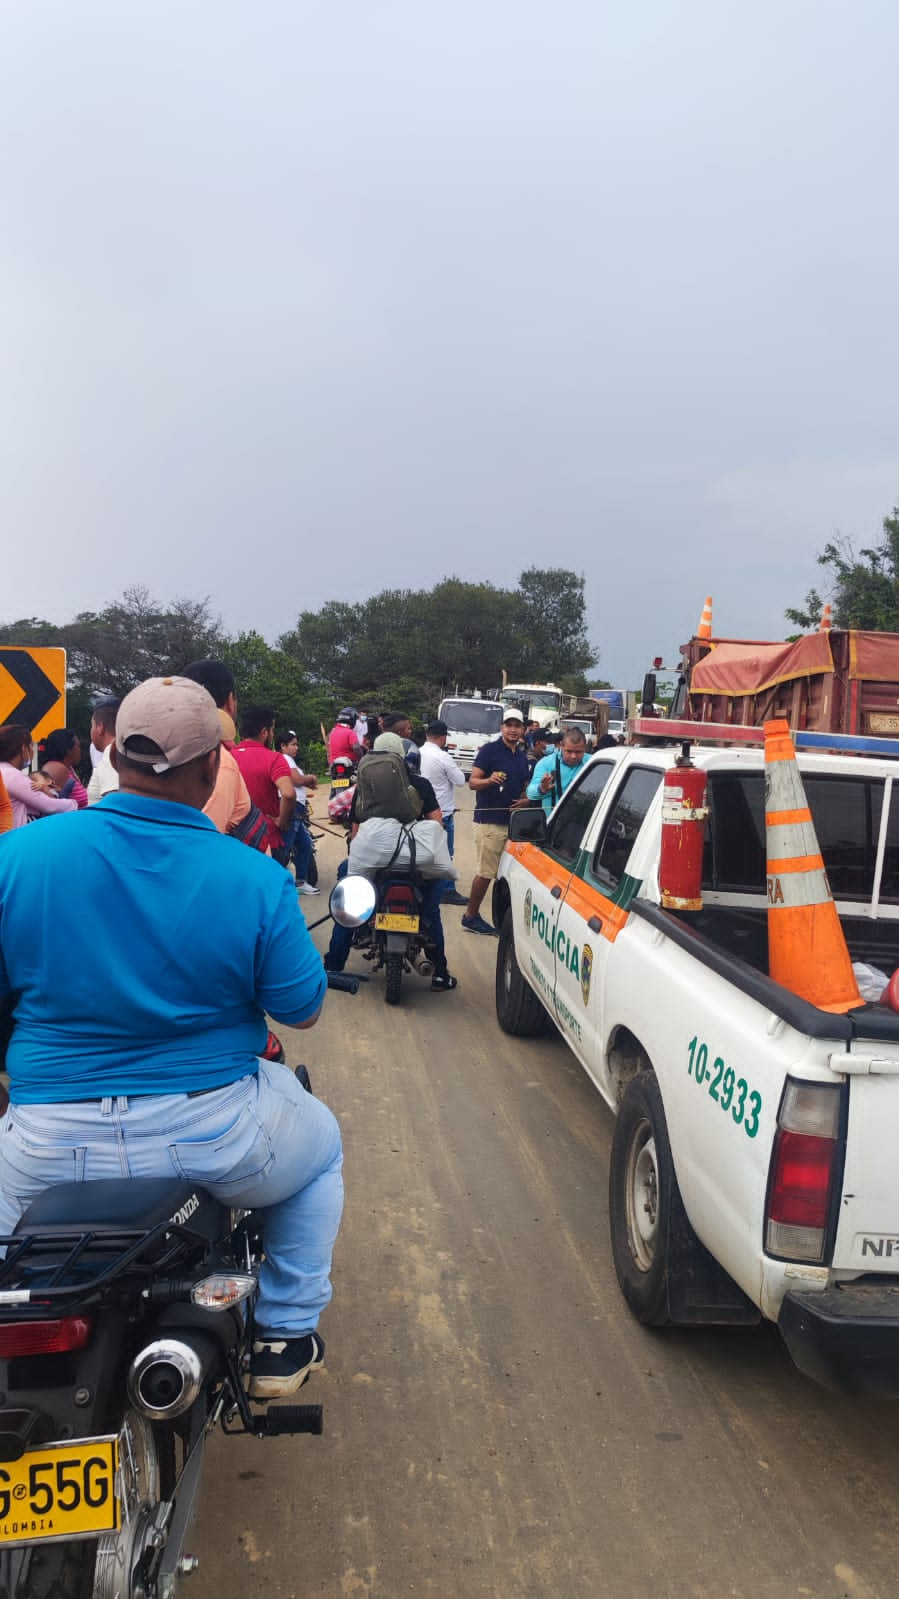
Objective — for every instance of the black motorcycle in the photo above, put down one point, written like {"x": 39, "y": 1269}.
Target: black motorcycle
{"x": 342, "y": 773}
{"x": 390, "y": 933}
{"x": 126, "y": 1328}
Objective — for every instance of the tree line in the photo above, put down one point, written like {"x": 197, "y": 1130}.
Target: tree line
{"x": 863, "y": 587}
{"x": 400, "y": 649}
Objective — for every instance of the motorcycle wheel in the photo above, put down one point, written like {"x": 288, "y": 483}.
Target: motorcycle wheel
{"x": 394, "y": 966}
{"x": 95, "y": 1570}
{"x": 51, "y": 1573}
{"x": 148, "y": 1468}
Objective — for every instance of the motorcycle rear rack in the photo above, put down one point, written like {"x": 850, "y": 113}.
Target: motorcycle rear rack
{"x": 26, "y": 1253}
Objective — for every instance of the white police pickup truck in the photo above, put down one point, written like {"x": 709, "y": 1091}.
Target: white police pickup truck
{"x": 755, "y": 1159}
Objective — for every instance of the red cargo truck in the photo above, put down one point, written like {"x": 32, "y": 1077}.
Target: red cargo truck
{"x": 835, "y": 681}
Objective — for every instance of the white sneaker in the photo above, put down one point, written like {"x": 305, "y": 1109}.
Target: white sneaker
{"x": 306, "y": 888}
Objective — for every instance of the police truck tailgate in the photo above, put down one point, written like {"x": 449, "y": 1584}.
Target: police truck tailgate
{"x": 867, "y": 1237}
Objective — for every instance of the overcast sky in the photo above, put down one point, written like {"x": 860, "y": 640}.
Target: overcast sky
{"x": 299, "y": 302}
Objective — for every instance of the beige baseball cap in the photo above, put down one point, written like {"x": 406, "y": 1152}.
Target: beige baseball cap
{"x": 178, "y": 716}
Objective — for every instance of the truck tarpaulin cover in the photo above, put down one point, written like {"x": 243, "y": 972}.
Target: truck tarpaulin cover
{"x": 741, "y": 668}
{"x": 734, "y": 667}
{"x": 874, "y": 657}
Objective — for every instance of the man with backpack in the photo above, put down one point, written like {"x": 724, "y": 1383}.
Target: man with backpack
{"x": 552, "y": 775}
{"x": 385, "y": 787}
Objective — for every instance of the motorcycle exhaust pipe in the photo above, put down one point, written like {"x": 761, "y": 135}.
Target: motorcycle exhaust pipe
{"x": 423, "y": 965}
{"x": 167, "y": 1376}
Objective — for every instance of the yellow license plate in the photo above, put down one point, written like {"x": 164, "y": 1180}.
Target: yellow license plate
{"x": 396, "y": 924}
{"x": 341, "y": 782}
{"x": 62, "y": 1490}
{"x": 882, "y": 722}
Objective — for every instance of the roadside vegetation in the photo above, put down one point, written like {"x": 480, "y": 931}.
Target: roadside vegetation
{"x": 401, "y": 648}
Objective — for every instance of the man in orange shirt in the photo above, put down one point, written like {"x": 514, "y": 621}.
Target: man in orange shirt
{"x": 230, "y": 801}
{"x": 5, "y": 809}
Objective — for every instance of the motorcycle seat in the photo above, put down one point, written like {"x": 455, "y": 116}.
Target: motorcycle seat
{"x": 124, "y": 1204}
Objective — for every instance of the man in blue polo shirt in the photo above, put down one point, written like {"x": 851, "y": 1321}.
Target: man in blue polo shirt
{"x": 498, "y": 778}
{"x": 139, "y": 1015}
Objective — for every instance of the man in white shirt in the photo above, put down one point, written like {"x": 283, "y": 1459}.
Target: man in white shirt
{"x": 444, "y": 776}
{"x": 104, "y": 777}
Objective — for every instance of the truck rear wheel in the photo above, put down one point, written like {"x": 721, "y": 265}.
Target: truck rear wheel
{"x": 642, "y": 1192}
{"x": 518, "y": 1010}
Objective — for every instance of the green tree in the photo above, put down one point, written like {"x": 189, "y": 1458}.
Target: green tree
{"x": 555, "y": 624}
{"x": 457, "y": 633}
{"x": 265, "y": 674}
{"x": 863, "y": 589}
{"x": 109, "y": 651}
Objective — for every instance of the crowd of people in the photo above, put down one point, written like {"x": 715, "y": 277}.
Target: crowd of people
{"x": 168, "y": 1076}
{"x": 261, "y": 791}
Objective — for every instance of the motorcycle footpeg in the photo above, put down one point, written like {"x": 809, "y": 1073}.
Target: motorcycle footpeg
{"x": 343, "y": 980}
{"x": 290, "y": 1419}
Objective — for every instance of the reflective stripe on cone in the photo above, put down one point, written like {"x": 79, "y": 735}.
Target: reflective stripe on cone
{"x": 807, "y": 952}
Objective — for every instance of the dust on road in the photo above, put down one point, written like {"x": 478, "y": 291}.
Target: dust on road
{"x": 496, "y": 1424}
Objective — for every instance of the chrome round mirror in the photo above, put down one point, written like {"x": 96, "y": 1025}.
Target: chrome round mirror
{"x": 352, "y": 901}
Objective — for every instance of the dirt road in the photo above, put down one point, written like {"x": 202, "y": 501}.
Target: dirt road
{"x": 497, "y": 1425}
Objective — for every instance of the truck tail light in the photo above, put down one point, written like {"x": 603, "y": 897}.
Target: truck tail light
{"x": 803, "y": 1167}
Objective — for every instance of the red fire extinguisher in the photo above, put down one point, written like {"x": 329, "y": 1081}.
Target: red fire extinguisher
{"x": 684, "y": 811}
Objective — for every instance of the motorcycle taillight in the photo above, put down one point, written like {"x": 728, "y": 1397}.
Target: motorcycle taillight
{"x": 400, "y": 899}
{"x": 56, "y": 1337}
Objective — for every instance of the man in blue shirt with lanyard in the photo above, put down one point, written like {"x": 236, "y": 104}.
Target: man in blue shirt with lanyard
{"x": 139, "y": 1000}
{"x": 498, "y": 778}
{"x": 552, "y": 775}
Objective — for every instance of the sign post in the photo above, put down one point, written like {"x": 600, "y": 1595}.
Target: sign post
{"x": 33, "y": 688}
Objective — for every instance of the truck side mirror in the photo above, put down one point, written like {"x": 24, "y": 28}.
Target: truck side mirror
{"x": 648, "y": 693}
{"x": 528, "y": 825}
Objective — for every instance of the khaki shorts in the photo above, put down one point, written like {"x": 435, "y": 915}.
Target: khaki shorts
{"x": 489, "y": 843}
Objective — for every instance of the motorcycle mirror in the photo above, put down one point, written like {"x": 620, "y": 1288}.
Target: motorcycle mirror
{"x": 352, "y": 901}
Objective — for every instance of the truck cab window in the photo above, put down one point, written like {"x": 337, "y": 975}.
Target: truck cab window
{"x": 624, "y": 823}
{"x": 571, "y": 817}
{"x": 735, "y": 852}
{"x": 889, "y": 883}
{"x": 846, "y": 813}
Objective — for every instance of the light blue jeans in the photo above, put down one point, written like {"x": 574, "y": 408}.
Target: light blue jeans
{"x": 449, "y": 827}
{"x": 261, "y": 1142}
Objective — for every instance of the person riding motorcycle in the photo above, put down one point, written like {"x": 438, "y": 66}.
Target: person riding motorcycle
{"x": 342, "y": 937}
{"x": 140, "y": 1055}
{"x": 342, "y": 740}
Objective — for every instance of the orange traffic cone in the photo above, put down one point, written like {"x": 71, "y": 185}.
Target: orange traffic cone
{"x": 704, "y": 629}
{"x": 806, "y": 949}
{"x": 826, "y": 622}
